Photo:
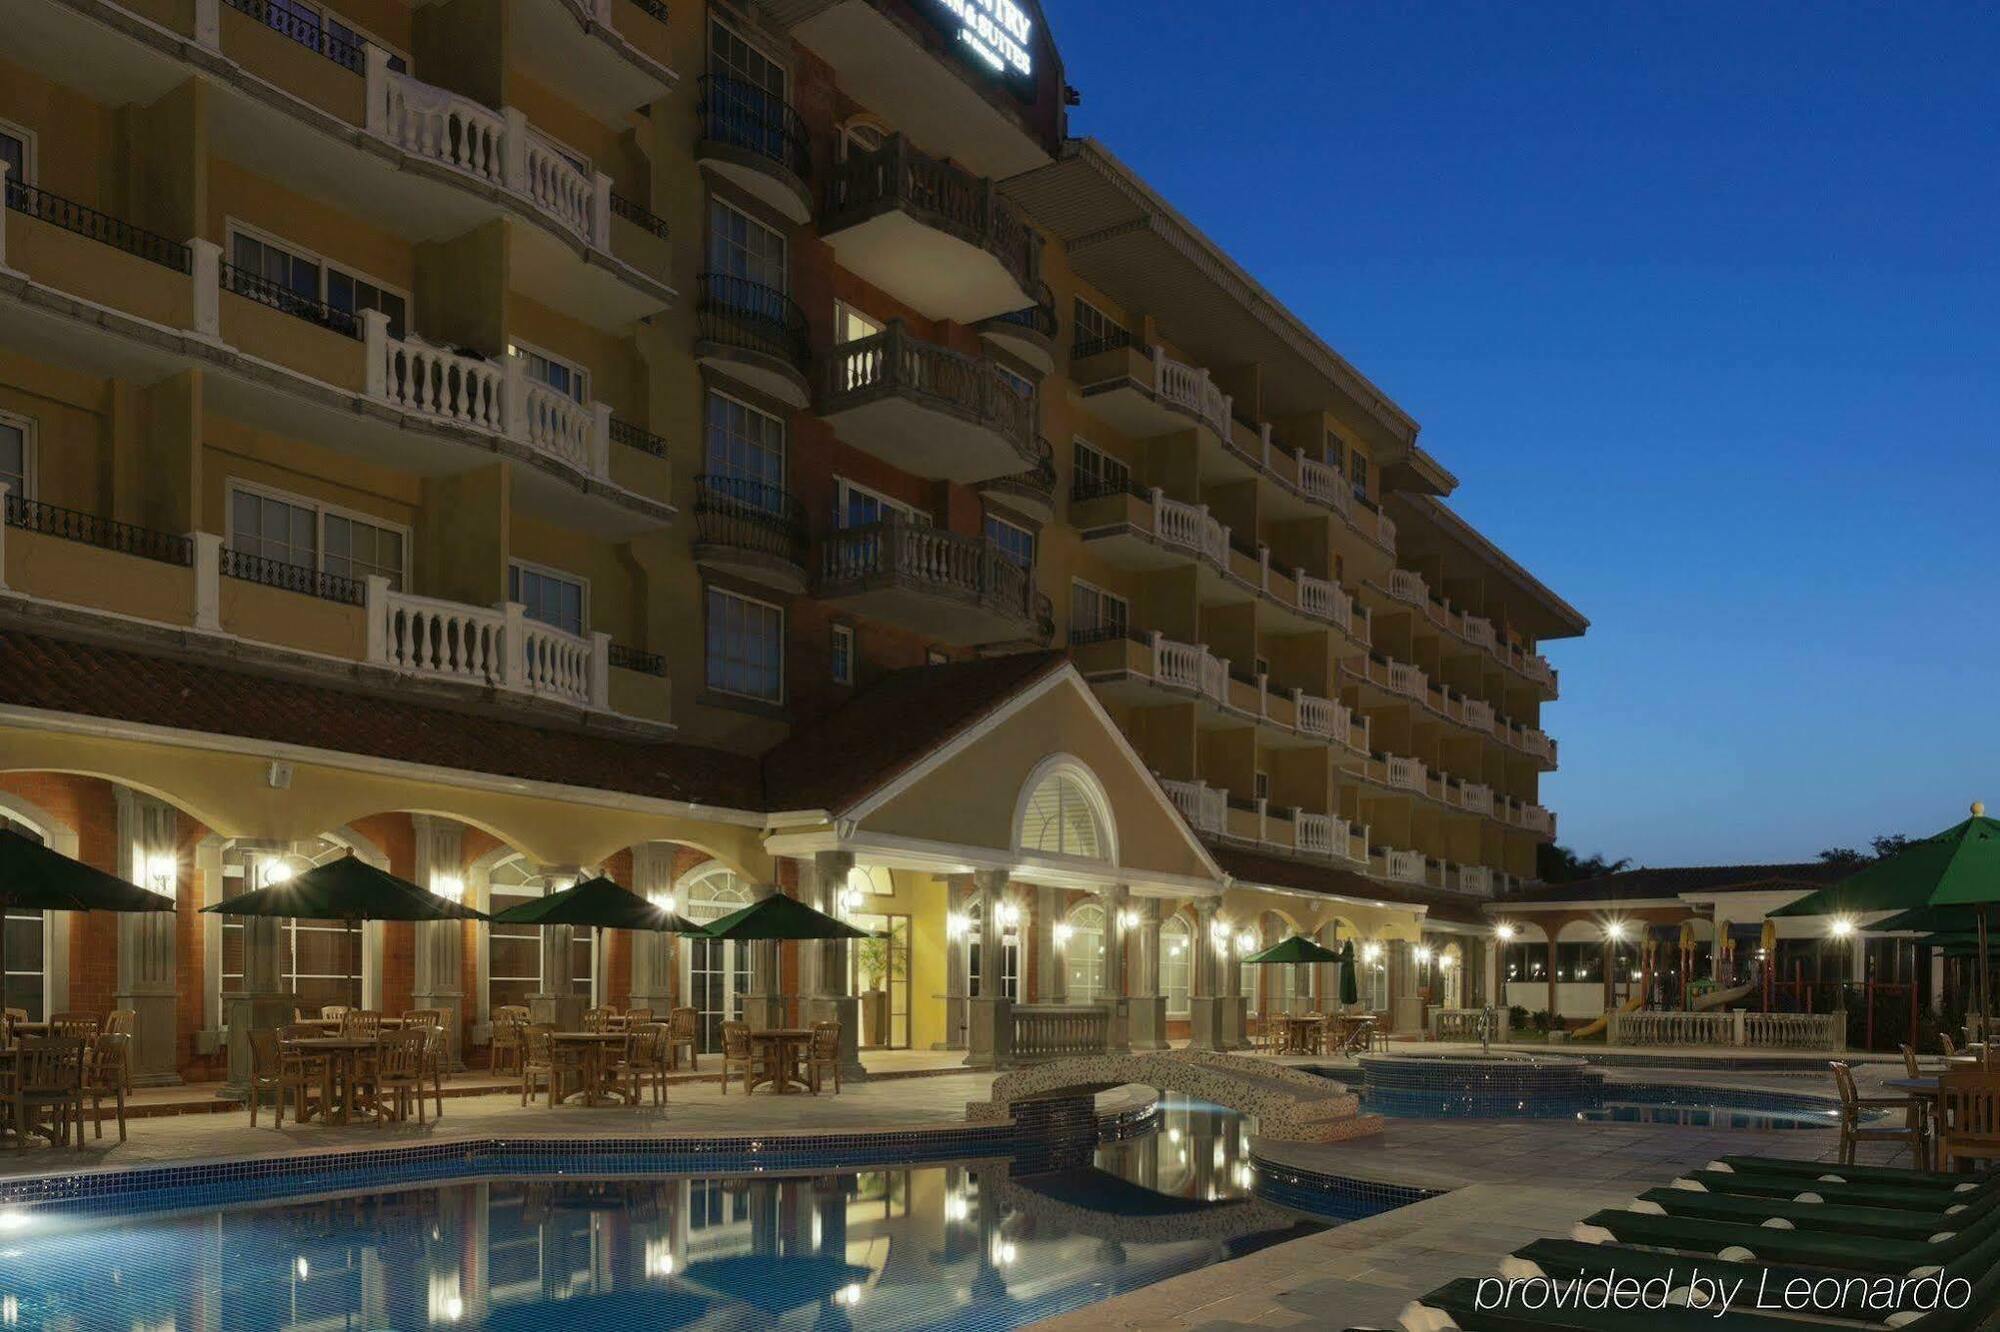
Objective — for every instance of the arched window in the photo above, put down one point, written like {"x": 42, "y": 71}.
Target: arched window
{"x": 714, "y": 975}
{"x": 859, "y": 137}
{"x": 1176, "y": 964}
{"x": 1064, "y": 816}
{"x": 514, "y": 959}
{"x": 321, "y": 958}
{"x": 1084, "y": 954}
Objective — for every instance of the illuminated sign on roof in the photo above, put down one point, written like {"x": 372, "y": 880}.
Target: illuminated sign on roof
{"x": 996, "y": 31}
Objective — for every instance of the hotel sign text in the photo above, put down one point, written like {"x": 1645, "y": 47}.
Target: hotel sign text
{"x": 997, "y": 31}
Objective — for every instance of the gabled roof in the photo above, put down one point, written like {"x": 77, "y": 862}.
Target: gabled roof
{"x": 834, "y": 761}
{"x": 1671, "y": 881}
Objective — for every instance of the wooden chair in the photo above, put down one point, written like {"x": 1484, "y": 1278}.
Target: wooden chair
{"x": 503, "y": 1048}
{"x": 738, "y": 1055}
{"x": 599, "y": 1019}
{"x": 1853, "y": 1106}
{"x": 10, "y": 1018}
{"x": 77, "y": 1026}
{"x": 637, "y": 1017}
{"x": 47, "y": 1085}
{"x": 362, "y": 1022}
{"x": 398, "y": 1075}
{"x": 425, "y": 1017}
{"x": 284, "y": 1073}
{"x": 547, "y": 1061}
{"x": 1969, "y": 1117}
{"x": 122, "y": 1022}
{"x": 645, "y": 1062}
{"x": 108, "y": 1074}
{"x": 437, "y": 1049}
{"x": 683, "y": 1026}
{"x": 823, "y": 1056}
{"x": 335, "y": 1012}
{"x": 1949, "y": 1046}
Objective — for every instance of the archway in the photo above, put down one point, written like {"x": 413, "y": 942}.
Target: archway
{"x": 715, "y": 976}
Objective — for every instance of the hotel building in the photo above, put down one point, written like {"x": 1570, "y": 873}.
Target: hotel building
{"x": 739, "y": 448}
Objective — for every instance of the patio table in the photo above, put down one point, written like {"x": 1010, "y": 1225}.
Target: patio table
{"x": 782, "y": 1048}
{"x": 596, "y": 1080}
{"x": 335, "y": 1052}
{"x": 1298, "y": 1034}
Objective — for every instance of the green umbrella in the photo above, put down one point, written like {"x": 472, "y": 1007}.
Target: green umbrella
{"x": 1959, "y": 867}
{"x": 348, "y": 889}
{"x": 599, "y": 903}
{"x": 34, "y": 878}
{"x": 781, "y": 917}
{"x": 1350, "y": 985}
{"x": 1298, "y": 948}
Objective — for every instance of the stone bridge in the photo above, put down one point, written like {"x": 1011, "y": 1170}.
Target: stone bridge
{"x": 1289, "y": 1105}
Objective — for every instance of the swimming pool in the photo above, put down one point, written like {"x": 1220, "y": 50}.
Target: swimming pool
{"x": 993, "y": 1242}
{"x": 1593, "y": 1101}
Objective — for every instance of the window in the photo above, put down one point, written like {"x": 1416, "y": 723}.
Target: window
{"x": 1095, "y": 613}
{"x": 740, "y": 247}
{"x": 843, "y": 654}
{"x": 1358, "y": 467}
{"x": 1260, "y": 784}
{"x": 291, "y": 529}
{"x": 17, "y": 455}
{"x": 1096, "y": 330}
{"x": 24, "y": 949}
{"x": 750, "y": 110}
{"x": 715, "y": 975}
{"x": 1084, "y": 955}
{"x": 1014, "y": 542}
{"x": 850, "y": 325}
{"x": 1098, "y": 473}
{"x": 745, "y": 453}
{"x": 312, "y": 27}
{"x": 1336, "y": 452}
{"x": 549, "y": 597}
{"x": 1176, "y": 964}
{"x": 565, "y": 377}
{"x": 859, "y": 138}
{"x": 1062, "y": 818}
{"x": 17, "y": 150}
{"x": 1020, "y": 383}
{"x": 514, "y": 952}
{"x": 860, "y": 506}
{"x": 745, "y": 647}
{"x": 320, "y": 959}
{"x": 271, "y": 268}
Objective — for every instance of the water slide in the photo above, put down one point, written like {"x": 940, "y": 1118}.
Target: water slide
{"x": 1632, "y": 1005}
{"x": 1724, "y": 998}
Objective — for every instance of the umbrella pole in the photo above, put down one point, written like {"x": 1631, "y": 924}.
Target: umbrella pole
{"x": 354, "y": 977}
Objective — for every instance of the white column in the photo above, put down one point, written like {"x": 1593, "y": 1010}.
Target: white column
{"x": 440, "y": 944}
{"x": 1051, "y": 965}
{"x": 148, "y": 961}
{"x": 824, "y": 974}
{"x": 1147, "y": 1027}
{"x": 205, "y": 272}
{"x": 1205, "y": 1003}
{"x": 207, "y": 580}
{"x": 988, "y": 1008}
{"x": 4, "y": 169}
{"x": 957, "y": 896}
{"x": 263, "y": 1003}
{"x": 558, "y": 1001}
{"x": 1115, "y": 901}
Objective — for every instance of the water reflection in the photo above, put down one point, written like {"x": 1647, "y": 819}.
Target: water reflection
{"x": 907, "y": 1247}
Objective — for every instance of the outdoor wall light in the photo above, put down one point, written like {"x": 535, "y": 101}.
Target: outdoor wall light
{"x": 448, "y": 886}
{"x": 1062, "y": 932}
{"x": 1506, "y": 933}
{"x": 1445, "y": 961}
{"x": 955, "y": 925}
{"x": 1423, "y": 954}
{"x": 1614, "y": 930}
{"x": 1003, "y": 1253}
{"x": 1128, "y": 920}
{"x": 1010, "y": 915}
{"x": 850, "y": 900}
{"x": 276, "y": 872}
{"x": 1245, "y": 942}
{"x": 1842, "y": 927}
{"x": 163, "y": 873}
{"x": 664, "y": 901}
{"x": 1371, "y": 952}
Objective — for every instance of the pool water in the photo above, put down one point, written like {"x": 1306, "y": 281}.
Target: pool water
{"x": 967, "y": 1244}
{"x": 1597, "y": 1102}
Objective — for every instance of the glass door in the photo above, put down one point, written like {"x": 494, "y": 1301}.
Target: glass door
{"x": 878, "y": 972}
{"x": 715, "y": 975}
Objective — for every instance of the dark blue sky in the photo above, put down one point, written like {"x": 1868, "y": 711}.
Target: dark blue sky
{"x": 1699, "y": 302}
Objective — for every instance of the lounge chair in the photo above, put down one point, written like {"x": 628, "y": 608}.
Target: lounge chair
{"x": 1828, "y": 1188}
{"x": 1789, "y": 1165}
{"x": 1780, "y": 1241}
{"x": 1841, "y": 1218}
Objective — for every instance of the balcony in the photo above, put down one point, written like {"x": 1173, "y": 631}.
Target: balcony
{"x": 756, "y": 334}
{"x": 958, "y": 589}
{"x": 607, "y": 56}
{"x": 498, "y": 648}
{"x": 752, "y": 530}
{"x": 933, "y": 236}
{"x": 1031, "y": 493}
{"x": 1029, "y": 333}
{"x": 1204, "y": 807}
{"x": 1145, "y": 392}
{"x": 927, "y": 409}
{"x": 756, "y": 142}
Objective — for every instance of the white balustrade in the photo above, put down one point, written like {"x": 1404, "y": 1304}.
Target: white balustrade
{"x": 496, "y": 648}
{"x": 1192, "y": 391}
{"x": 1535, "y": 818}
{"x": 497, "y": 147}
{"x": 1385, "y": 532}
{"x": 1480, "y": 631}
{"x": 1406, "y": 772}
{"x": 1477, "y": 714}
{"x": 1313, "y": 834}
{"x": 1200, "y": 804}
{"x": 1406, "y": 866}
{"x": 1476, "y": 798}
{"x": 1408, "y": 585}
{"x": 1190, "y": 527}
{"x": 1059, "y": 1031}
{"x": 1407, "y": 679}
{"x": 1321, "y": 716}
{"x": 1475, "y": 879}
{"x": 419, "y": 377}
{"x": 1536, "y": 742}
{"x": 1324, "y": 599}
{"x": 1323, "y": 483}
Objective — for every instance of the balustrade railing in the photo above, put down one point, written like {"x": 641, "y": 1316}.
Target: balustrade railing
{"x": 1037, "y": 318}
{"x": 1736, "y": 1027}
{"x": 634, "y": 437}
{"x": 560, "y": 188}
{"x": 307, "y": 28}
{"x": 640, "y": 216}
{"x": 1403, "y": 678}
{"x": 1477, "y": 713}
{"x": 750, "y": 119}
{"x": 497, "y": 648}
{"x": 943, "y": 196}
{"x": 1204, "y": 807}
{"x": 429, "y": 380}
{"x": 894, "y": 362}
{"x": 258, "y": 288}
{"x": 1323, "y": 483}
{"x": 1187, "y": 666}
{"x": 90, "y": 530}
{"x": 1192, "y": 391}
{"x": 1385, "y": 532}
{"x": 300, "y": 578}
{"x": 1408, "y": 585}
{"x": 555, "y": 662}
{"x": 103, "y": 228}
{"x": 1190, "y": 527}
{"x": 736, "y": 312}
{"x": 1059, "y": 1031}
{"x": 972, "y": 568}
{"x": 1476, "y": 798}
{"x": 1405, "y": 866}
{"x": 1406, "y": 772}
{"x": 750, "y": 515}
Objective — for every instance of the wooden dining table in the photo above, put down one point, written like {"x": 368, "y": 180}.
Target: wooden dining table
{"x": 1298, "y": 1034}
{"x": 338, "y": 1056}
{"x": 595, "y": 1047}
{"x": 782, "y": 1049}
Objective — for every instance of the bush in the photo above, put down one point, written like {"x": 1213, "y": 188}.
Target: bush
{"x": 1517, "y": 1018}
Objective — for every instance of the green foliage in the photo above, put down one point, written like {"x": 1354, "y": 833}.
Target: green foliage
{"x": 1561, "y": 864}
{"x": 878, "y": 962}
{"x": 1881, "y": 848}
